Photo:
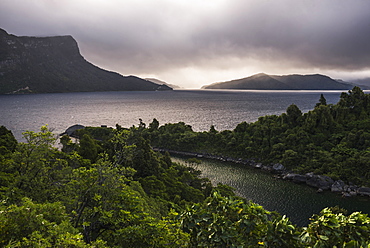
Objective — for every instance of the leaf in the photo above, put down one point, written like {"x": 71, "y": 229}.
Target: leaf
{"x": 323, "y": 237}
{"x": 86, "y": 223}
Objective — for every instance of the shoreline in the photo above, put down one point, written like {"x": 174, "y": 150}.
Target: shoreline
{"x": 320, "y": 182}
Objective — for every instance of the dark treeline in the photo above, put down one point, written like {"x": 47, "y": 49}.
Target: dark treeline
{"x": 110, "y": 189}
{"x": 331, "y": 139}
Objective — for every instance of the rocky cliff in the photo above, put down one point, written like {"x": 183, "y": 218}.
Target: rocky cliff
{"x": 54, "y": 64}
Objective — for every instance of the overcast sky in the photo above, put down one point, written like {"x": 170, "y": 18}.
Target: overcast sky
{"x": 198, "y": 42}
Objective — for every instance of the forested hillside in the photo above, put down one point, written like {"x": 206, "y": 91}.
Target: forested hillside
{"x": 110, "y": 189}
{"x": 263, "y": 81}
{"x": 331, "y": 139}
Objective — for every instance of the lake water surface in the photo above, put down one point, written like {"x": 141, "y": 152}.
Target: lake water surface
{"x": 299, "y": 202}
{"x": 198, "y": 108}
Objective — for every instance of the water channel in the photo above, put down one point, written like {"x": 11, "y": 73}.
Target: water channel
{"x": 298, "y": 202}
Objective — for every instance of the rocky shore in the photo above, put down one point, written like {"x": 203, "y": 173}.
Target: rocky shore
{"x": 320, "y": 182}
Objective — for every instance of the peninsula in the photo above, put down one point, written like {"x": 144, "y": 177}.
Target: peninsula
{"x": 55, "y": 64}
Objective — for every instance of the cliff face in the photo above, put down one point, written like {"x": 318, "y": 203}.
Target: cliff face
{"x": 54, "y": 64}
{"x": 289, "y": 82}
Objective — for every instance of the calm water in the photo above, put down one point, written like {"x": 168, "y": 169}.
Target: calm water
{"x": 298, "y": 202}
{"x": 198, "y": 108}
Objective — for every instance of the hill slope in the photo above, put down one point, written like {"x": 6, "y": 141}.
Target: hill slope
{"x": 54, "y": 64}
{"x": 157, "y": 81}
{"x": 263, "y": 81}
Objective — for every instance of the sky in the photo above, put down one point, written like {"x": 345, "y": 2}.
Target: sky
{"x": 191, "y": 43}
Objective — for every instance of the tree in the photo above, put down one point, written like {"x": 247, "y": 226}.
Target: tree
{"x": 94, "y": 198}
{"x": 293, "y": 115}
{"x": 329, "y": 229}
{"x": 76, "y": 203}
{"x": 88, "y": 148}
{"x": 322, "y": 101}
{"x": 8, "y": 142}
{"x": 213, "y": 130}
{"x": 107, "y": 205}
{"x": 228, "y": 222}
{"x": 153, "y": 233}
{"x": 144, "y": 160}
{"x": 38, "y": 225}
{"x": 154, "y": 125}
{"x": 68, "y": 145}
{"x": 290, "y": 159}
{"x": 355, "y": 104}
{"x": 33, "y": 166}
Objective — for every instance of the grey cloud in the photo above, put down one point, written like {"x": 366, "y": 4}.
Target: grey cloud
{"x": 153, "y": 36}
{"x": 332, "y": 35}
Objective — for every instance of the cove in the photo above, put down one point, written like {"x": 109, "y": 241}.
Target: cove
{"x": 298, "y": 202}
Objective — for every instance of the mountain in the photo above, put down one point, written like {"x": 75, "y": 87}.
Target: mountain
{"x": 157, "y": 81}
{"x": 263, "y": 81}
{"x": 364, "y": 82}
{"x": 54, "y": 64}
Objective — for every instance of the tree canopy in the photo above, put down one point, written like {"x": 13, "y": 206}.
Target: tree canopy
{"x": 111, "y": 189}
{"x": 331, "y": 139}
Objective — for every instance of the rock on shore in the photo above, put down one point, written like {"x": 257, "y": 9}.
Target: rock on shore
{"x": 326, "y": 183}
{"x": 320, "y": 182}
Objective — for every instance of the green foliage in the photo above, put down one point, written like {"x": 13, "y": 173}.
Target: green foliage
{"x": 293, "y": 115}
{"x": 34, "y": 167}
{"x": 329, "y": 229}
{"x": 330, "y": 139}
{"x": 153, "y": 233}
{"x": 37, "y": 225}
{"x": 177, "y": 184}
{"x": 88, "y": 148}
{"x": 154, "y": 125}
{"x": 106, "y": 204}
{"x": 322, "y": 101}
{"x": 8, "y": 142}
{"x": 68, "y": 145}
{"x": 118, "y": 192}
{"x": 102, "y": 199}
{"x": 177, "y": 136}
{"x": 224, "y": 190}
{"x": 227, "y": 222}
{"x": 97, "y": 133}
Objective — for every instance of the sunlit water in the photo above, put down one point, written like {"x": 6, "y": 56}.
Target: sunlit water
{"x": 198, "y": 108}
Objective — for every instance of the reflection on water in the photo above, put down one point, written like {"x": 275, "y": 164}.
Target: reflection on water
{"x": 298, "y": 202}
{"x": 198, "y": 108}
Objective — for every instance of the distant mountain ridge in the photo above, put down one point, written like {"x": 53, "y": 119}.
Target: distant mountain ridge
{"x": 364, "y": 82}
{"x": 264, "y": 81}
{"x": 157, "y": 81}
{"x": 54, "y": 64}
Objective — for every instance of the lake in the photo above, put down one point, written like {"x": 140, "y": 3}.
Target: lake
{"x": 198, "y": 108}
